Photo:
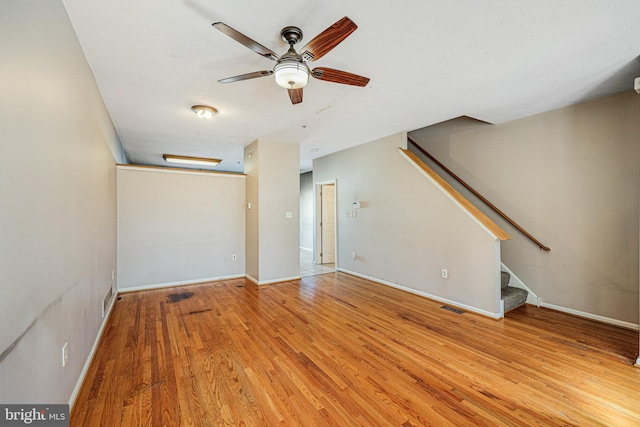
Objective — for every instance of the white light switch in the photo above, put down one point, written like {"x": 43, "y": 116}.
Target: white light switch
{"x": 289, "y": 214}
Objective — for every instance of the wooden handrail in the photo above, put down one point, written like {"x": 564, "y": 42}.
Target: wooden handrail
{"x": 483, "y": 220}
{"x": 479, "y": 196}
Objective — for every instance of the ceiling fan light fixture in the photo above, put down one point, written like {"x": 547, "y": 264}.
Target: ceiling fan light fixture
{"x": 204, "y": 111}
{"x": 291, "y": 74}
{"x": 203, "y": 161}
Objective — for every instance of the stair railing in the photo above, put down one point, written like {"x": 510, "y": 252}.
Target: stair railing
{"x": 479, "y": 196}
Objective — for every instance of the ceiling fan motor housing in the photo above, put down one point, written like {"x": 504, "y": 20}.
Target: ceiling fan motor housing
{"x": 291, "y": 35}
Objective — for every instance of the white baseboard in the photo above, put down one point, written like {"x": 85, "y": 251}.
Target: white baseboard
{"x": 425, "y": 294}
{"x": 92, "y": 352}
{"x": 638, "y": 361}
{"x": 182, "y": 283}
{"x": 615, "y": 322}
{"x": 270, "y": 282}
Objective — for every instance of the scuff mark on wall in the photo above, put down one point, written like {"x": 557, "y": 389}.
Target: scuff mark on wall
{"x": 15, "y": 343}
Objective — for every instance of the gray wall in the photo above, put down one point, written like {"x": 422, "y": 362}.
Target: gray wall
{"x": 252, "y": 236}
{"x": 570, "y": 178}
{"x": 178, "y": 227}
{"x": 306, "y": 210}
{"x": 407, "y": 230}
{"x": 273, "y": 189}
{"x": 58, "y": 212}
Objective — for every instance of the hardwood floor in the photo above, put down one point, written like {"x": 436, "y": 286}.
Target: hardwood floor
{"x": 336, "y": 350}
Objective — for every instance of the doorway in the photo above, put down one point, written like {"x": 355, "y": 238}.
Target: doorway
{"x": 324, "y": 258}
{"x": 310, "y": 214}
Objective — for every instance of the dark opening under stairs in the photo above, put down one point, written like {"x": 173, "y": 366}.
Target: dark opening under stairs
{"x": 511, "y": 297}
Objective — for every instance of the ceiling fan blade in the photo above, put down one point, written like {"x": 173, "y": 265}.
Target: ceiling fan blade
{"x": 295, "y": 95}
{"x": 328, "y": 39}
{"x": 337, "y": 76}
{"x": 247, "y": 76}
{"x": 248, "y": 42}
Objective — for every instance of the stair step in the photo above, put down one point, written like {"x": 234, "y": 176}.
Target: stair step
{"x": 504, "y": 279}
{"x": 513, "y": 297}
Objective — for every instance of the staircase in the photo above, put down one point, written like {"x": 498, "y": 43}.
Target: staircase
{"x": 511, "y": 297}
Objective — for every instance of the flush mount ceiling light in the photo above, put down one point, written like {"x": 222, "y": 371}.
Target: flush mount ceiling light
{"x": 204, "y": 161}
{"x": 204, "y": 111}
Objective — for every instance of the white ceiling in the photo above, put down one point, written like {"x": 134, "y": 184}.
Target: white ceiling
{"x": 429, "y": 61}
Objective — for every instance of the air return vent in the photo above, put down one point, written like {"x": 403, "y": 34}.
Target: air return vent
{"x": 453, "y": 309}
{"x": 106, "y": 301}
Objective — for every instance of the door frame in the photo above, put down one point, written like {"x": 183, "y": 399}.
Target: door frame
{"x": 317, "y": 215}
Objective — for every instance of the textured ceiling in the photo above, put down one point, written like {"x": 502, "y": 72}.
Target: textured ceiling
{"x": 429, "y": 61}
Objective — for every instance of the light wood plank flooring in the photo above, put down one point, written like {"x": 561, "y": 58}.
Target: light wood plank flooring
{"x": 336, "y": 350}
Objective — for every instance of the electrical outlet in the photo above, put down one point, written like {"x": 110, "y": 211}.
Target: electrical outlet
{"x": 65, "y": 354}
{"x": 234, "y": 257}
{"x": 445, "y": 273}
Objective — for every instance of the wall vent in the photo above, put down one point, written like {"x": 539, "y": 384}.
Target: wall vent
{"x": 106, "y": 301}
{"x": 453, "y": 309}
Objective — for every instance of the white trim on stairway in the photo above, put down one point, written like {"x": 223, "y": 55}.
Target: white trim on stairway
{"x": 516, "y": 282}
{"x": 448, "y": 195}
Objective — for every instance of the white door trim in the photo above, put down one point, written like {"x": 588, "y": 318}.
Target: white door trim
{"x": 317, "y": 231}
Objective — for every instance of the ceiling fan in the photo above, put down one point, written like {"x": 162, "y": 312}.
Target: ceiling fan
{"x": 291, "y": 70}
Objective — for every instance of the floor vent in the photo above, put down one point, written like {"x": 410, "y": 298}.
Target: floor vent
{"x": 106, "y": 301}
{"x": 453, "y": 309}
